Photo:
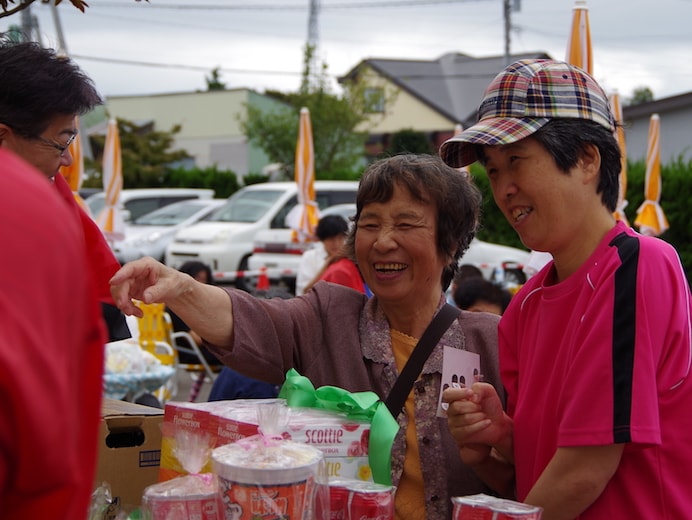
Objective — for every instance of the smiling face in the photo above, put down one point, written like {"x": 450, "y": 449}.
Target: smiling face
{"x": 38, "y": 151}
{"x": 551, "y": 210}
{"x": 397, "y": 252}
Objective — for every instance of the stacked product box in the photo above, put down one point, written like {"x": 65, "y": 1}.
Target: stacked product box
{"x": 202, "y": 419}
{"x": 343, "y": 441}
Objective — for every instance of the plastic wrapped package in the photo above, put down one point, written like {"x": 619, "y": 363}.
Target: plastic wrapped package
{"x": 193, "y": 496}
{"x": 268, "y": 477}
{"x": 129, "y": 369}
{"x": 352, "y": 499}
{"x": 486, "y": 507}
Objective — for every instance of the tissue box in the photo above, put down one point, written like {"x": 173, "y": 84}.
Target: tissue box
{"x": 343, "y": 442}
{"x": 204, "y": 419}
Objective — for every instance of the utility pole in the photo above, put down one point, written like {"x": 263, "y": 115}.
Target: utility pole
{"x": 508, "y": 27}
{"x": 509, "y": 6}
{"x": 30, "y": 30}
{"x": 313, "y": 38}
{"x": 62, "y": 46}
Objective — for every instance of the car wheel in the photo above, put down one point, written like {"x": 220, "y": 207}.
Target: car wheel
{"x": 245, "y": 283}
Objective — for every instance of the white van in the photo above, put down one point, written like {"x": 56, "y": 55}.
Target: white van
{"x": 224, "y": 240}
{"x": 137, "y": 202}
{"x": 273, "y": 249}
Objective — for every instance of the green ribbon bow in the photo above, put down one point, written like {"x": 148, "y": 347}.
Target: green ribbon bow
{"x": 300, "y": 392}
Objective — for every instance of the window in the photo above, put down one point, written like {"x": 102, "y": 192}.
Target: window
{"x": 374, "y": 100}
{"x": 246, "y": 206}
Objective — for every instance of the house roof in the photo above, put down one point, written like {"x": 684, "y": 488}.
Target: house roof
{"x": 452, "y": 84}
{"x": 658, "y": 106}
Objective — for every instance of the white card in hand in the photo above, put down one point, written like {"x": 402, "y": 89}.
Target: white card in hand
{"x": 459, "y": 368}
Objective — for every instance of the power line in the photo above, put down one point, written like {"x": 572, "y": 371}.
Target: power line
{"x": 289, "y": 7}
{"x": 266, "y": 72}
{"x": 184, "y": 67}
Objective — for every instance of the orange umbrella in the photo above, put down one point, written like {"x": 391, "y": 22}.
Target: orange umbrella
{"x": 304, "y": 216}
{"x": 74, "y": 173}
{"x": 579, "y": 45}
{"x": 110, "y": 219}
{"x": 650, "y": 217}
{"x": 616, "y": 107}
{"x": 457, "y": 130}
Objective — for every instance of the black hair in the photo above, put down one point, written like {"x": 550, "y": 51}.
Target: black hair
{"x": 467, "y": 271}
{"x": 474, "y": 289}
{"x": 428, "y": 179}
{"x": 331, "y": 226}
{"x": 37, "y": 84}
{"x": 193, "y": 267}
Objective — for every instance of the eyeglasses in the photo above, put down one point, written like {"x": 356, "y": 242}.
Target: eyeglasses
{"x": 62, "y": 148}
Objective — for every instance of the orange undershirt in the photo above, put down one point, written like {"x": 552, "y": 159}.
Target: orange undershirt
{"x": 410, "y": 498}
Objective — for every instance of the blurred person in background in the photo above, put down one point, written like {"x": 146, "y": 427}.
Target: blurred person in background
{"x": 51, "y": 352}
{"x": 415, "y": 217}
{"x": 202, "y": 273}
{"x": 331, "y": 232}
{"x": 477, "y": 294}
{"x": 340, "y": 269}
{"x": 465, "y": 271}
{"x": 41, "y": 94}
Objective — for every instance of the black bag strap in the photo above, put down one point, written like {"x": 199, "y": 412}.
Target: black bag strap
{"x": 431, "y": 336}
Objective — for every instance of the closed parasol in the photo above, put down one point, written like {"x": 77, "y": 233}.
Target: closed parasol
{"x": 304, "y": 216}
{"x": 650, "y": 217}
{"x": 110, "y": 219}
{"x": 616, "y": 107}
{"x": 579, "y": 51}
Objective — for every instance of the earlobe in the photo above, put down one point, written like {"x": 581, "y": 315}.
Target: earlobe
{"x": 4, "y": 132}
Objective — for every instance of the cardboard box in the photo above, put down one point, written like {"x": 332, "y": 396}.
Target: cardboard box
{"x": 129, "y": 449}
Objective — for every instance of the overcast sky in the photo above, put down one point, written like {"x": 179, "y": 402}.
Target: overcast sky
{"x": 259, "y": 43}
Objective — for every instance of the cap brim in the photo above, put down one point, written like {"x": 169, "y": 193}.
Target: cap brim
{"x": 458, "y": 151}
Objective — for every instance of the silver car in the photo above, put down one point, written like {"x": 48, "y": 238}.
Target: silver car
{"x": 151, "y": 233}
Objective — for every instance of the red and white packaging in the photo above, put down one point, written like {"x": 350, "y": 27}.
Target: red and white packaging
{"x": 181, "y": 417}
{"x": 196, "y": 495}
{"x": 204, "y": 418}
{"x": 191, "y": 496}
{"x": 352, "y": 499}
{"x": 338, "y": 499}
{"x": 343, "y": 441}
{"x": 486, "y": 507}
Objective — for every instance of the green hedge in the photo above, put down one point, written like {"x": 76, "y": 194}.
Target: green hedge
{"x": 676, "y": 201}
{"x": 223, "y": 182}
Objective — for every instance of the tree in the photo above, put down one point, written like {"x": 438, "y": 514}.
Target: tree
{"x": 409, "y": 141}
{"x": 214, "y": 80}
{"x": 146, "y": 155}
{"x": 338, "y": 145}
{"x": 19, "y": 5}
{"x": 641, "y": 95}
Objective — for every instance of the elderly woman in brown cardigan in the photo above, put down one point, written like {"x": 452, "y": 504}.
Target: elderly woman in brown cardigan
{"x": 415, "y": 217}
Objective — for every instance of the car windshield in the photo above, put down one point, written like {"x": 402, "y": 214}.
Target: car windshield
{"x": 170, "y": 215}
{"x": 246, "y": 206}
{"x": 96, "y": 203}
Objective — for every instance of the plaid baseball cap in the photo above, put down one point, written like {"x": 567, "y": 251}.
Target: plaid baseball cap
{"x": 522, "y": 99}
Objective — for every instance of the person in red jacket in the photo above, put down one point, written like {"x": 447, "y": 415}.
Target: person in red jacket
{"x": 41, "y": 96}
{"x": 51, "y": 352}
